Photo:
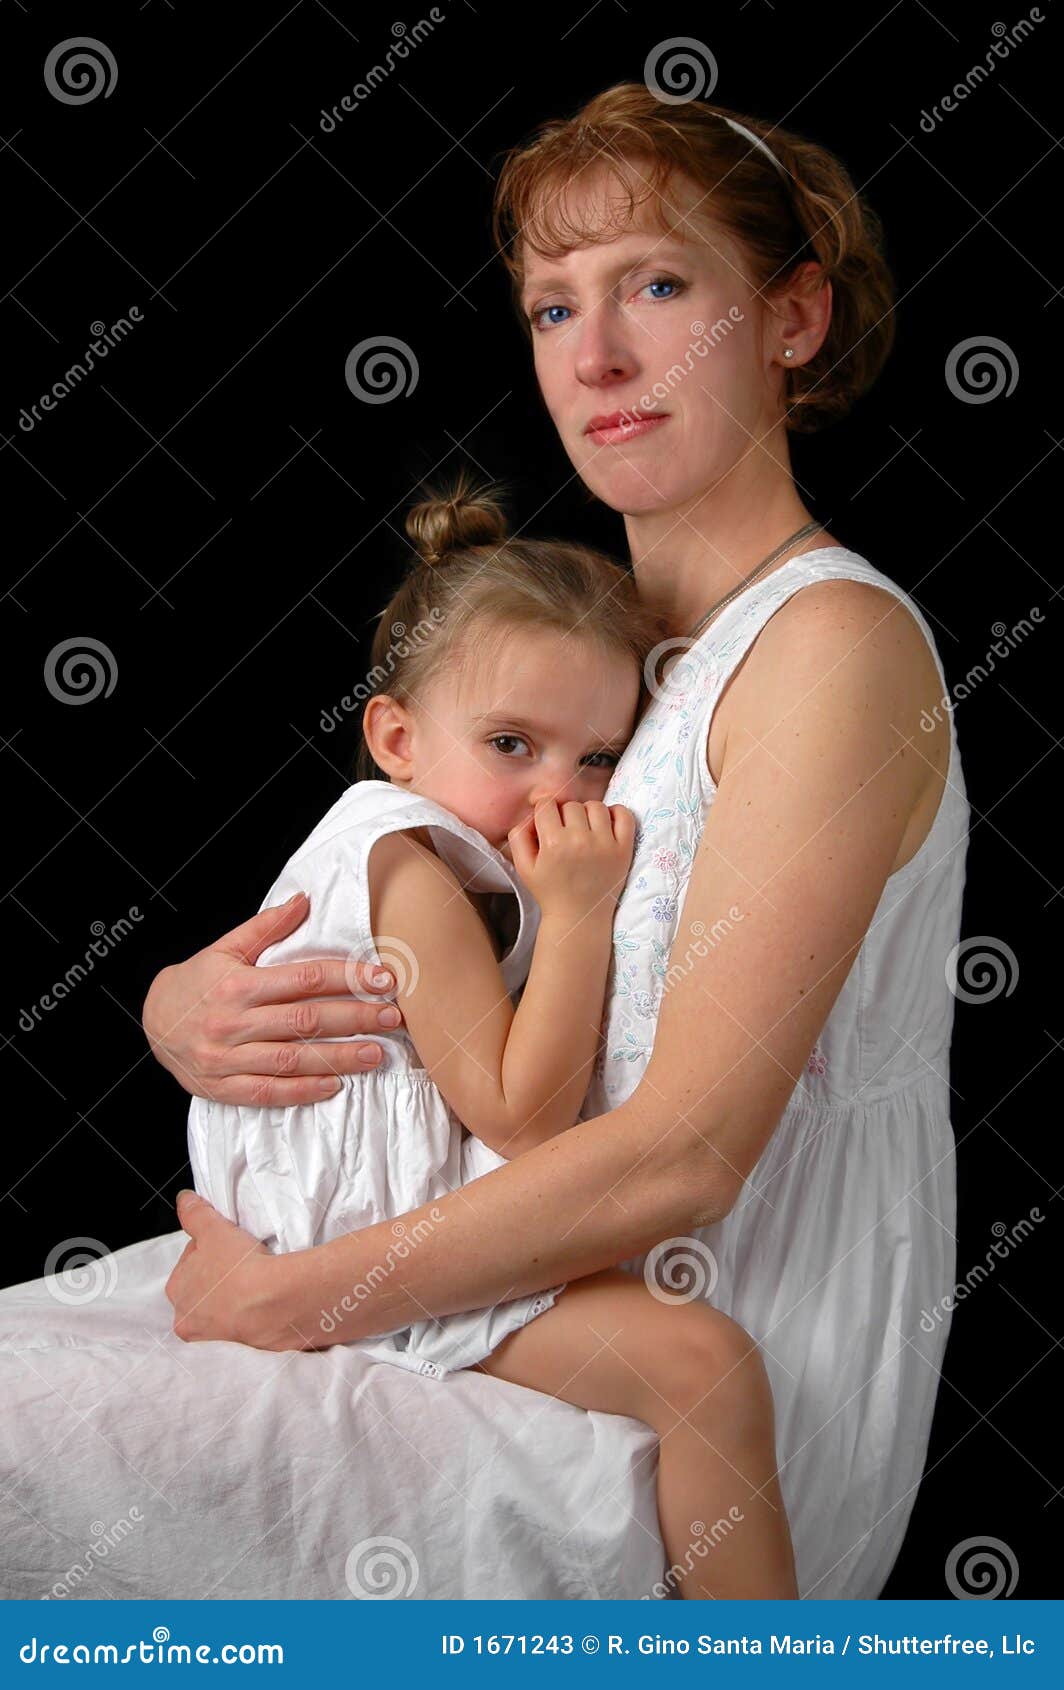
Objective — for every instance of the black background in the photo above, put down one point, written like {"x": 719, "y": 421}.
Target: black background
{"x": 216, "y": 507}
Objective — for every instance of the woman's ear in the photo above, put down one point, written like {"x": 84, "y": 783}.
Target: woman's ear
{"x": 801, "y": 315}
{"x": 388, "y": 729}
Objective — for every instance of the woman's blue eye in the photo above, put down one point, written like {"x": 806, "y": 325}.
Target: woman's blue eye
{"x": 536, "y": 315}
{"x": 655, "y": 282}
{"x": 664, "y": 282}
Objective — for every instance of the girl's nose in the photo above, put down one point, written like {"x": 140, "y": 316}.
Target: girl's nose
{"x": 561, "y": 790}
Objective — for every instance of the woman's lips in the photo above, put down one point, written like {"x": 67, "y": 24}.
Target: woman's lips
{"x": 617, "y": 434}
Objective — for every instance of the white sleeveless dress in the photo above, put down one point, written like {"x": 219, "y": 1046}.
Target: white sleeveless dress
{"x": 387, "y": 1142}
{"x": 842, "y": 1240}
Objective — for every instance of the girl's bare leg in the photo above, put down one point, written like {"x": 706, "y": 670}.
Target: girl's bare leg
{"x": 696, "y": 1376}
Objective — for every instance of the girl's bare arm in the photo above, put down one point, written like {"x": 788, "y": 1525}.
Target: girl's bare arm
{"x": 514, "y": 1078}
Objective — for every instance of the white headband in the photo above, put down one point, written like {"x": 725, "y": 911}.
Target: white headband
{"x": 740, "y": 129}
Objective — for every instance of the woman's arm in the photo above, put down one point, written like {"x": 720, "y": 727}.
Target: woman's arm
{"x": 514, "y": 1078}
{"x": 225, "y": 1029}
{"x": 821, "y": 774}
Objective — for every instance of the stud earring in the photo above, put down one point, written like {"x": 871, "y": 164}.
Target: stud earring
{"x": 789, "y": 353}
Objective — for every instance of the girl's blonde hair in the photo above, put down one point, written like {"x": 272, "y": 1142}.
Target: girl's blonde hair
{"x": 472, "y": 585}
{"x": 808, "y": 209}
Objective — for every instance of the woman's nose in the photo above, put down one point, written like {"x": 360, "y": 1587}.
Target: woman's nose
{"x": 603, "y": 356}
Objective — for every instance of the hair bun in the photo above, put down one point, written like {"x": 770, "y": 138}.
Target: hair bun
{"x": 447, "y": 522}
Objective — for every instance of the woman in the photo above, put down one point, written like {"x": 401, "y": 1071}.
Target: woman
{"x": 773, "y": 1090}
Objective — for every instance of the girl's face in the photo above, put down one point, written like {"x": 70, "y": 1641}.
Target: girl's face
{"x": 648, "y": 325}
{"x": 548, "y": 720}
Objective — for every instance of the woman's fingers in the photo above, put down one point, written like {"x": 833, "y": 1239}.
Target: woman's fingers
{"x": 217, "y": 1281}
{"x": 340, "y": 1056}
{"x": 263, "y": 1091}
{"x": 251, "y": 937}
{"x": 320, "y": 1018}
{"x": 324, "y": 977}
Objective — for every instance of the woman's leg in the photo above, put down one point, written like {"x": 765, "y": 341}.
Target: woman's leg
{"x": 696, "y": 1376}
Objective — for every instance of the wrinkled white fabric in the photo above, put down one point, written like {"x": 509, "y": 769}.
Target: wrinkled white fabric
{"x": 387, "y": 1142}
{"x": 256, "y": 1474}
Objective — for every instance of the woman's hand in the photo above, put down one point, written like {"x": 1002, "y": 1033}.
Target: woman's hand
{"x": 223, "y": 1283}
{"x": 230, "y": 1031}
{"x": 574, "y": 857}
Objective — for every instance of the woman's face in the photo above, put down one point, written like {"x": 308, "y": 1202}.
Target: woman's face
{"x": 647, "y": 325}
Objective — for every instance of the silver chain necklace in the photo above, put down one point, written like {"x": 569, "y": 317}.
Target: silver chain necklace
{"x": 801, "y": 534}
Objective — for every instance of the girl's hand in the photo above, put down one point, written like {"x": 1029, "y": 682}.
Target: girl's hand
{"x": 574, "y": 858}
{"x": 228, "y": 1030}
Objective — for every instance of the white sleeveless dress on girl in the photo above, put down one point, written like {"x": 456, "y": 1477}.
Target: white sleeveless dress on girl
{"x": 387, "y": 1142}
{"x": 841, "y": 1246}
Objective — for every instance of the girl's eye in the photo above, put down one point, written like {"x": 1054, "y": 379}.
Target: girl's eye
{"x": 611, "y": 759}
{"x": 510, "y": 739}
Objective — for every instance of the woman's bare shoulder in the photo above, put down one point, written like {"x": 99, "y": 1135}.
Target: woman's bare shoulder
{"x": 857, "y": 651}
{"x": 827, "y": 624}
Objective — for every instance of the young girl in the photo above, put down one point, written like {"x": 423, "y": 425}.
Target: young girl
{"x": 483, "y": 869}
